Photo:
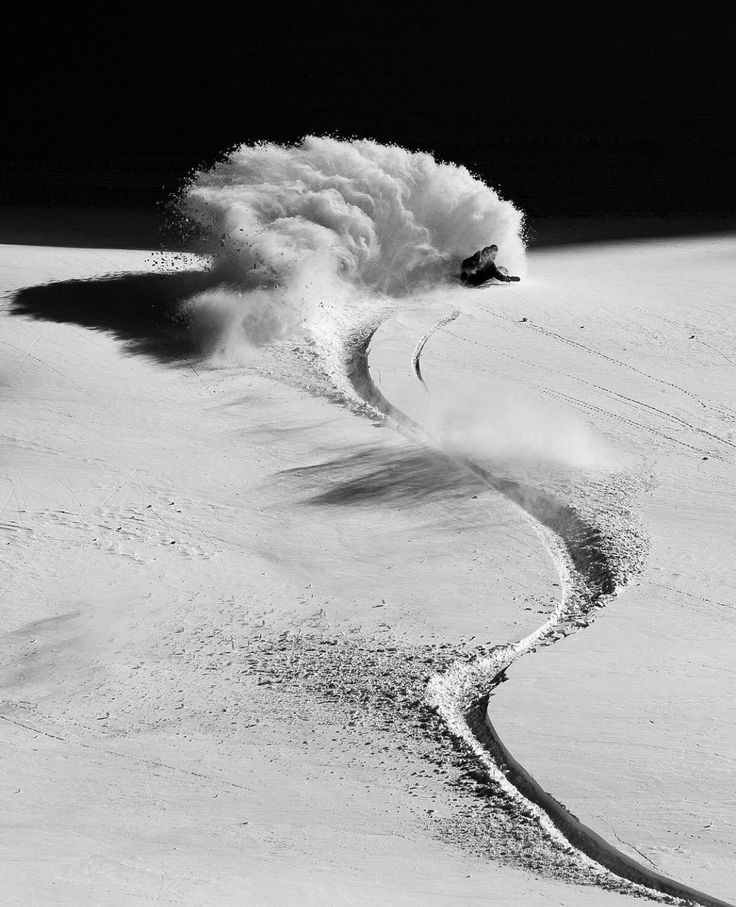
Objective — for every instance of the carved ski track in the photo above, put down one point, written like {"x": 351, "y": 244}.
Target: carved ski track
{"x": 461, "y": 695}
{"x": 423, "y": 340}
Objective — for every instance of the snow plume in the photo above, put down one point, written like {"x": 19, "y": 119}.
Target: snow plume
{"x": 504, "y": 425}
{"x": 325, "y": 238}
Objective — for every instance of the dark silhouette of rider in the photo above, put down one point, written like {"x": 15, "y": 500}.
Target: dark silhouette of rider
{"x": 482, "y": 266}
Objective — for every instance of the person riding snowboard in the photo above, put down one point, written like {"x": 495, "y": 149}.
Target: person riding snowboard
{"x": 482, "y": 266}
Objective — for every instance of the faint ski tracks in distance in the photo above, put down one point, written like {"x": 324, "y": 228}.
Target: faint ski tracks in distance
{"x": 598, "y": 353}
{"x": 102, "y": 750}
{"x": 593, "y": 408}
{"x": 663, "y": 413}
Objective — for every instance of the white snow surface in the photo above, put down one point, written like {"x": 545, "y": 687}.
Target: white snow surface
{"x": 157, "y": 516}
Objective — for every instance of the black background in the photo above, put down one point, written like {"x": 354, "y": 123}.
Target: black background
{"x": 602, "y": 113}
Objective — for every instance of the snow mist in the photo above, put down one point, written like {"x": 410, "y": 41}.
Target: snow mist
{"x": 509, "y": 426}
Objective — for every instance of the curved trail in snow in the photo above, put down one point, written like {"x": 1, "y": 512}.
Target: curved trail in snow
{"x": 461, "y": 695}
{"x": 415, "y": 364}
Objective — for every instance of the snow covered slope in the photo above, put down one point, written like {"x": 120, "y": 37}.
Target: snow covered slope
{"x": 224, "y": 591}
{"x": 629, "y": 722}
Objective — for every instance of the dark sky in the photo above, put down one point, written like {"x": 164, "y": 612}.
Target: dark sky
{"x": 473, "y": 84}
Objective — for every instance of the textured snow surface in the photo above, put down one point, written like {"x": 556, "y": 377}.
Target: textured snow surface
{"x": 223, "y": 593}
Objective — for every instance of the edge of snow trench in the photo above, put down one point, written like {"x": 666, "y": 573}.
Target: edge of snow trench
{"x": 461, "y": 695}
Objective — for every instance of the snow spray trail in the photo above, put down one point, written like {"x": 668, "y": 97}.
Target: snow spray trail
{"x": 462, "y": 694}
{"x": 317, "y": 243}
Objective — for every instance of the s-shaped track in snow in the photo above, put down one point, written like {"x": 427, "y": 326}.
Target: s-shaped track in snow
{"x": 461, "y": 695}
